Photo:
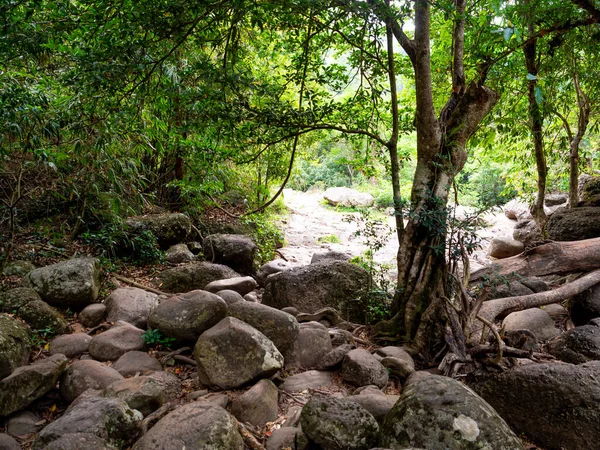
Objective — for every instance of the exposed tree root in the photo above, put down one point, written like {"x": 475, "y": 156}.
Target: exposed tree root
{"x": 138, "y": 285}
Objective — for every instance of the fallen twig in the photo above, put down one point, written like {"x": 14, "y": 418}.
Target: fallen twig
{"x": 165, "y": 358}
{"x": 102, "y": 326}
{"x": 293, "y": 397}
{"x": 138, "y": 285}
{"x": 249, "y": 438}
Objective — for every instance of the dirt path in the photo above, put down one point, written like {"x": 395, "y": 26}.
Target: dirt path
{"x": 309, "y": 220}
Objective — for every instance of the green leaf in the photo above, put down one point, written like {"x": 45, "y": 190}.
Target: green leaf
{"x": 508, "y": 32}
{"x": 537, "y": 92}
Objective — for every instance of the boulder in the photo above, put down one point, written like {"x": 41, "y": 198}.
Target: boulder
{"x": 574, "y": 224}
{"x": 440, "y": 412}
{"x": 505, "y": 247}
{"x": 92, "y": 315}
{"x": 361, "y": 368}
{"x": 343, "y": 196}
{"x": 334, "y": 358}
{"x": 109, "y": 419}
{"x": 556, "y": 405}
{"x": 14, "y": 344}
{"x": 70, "y": 345}
{"x": 280, "y": 327}
{"x": 114, "y": 343}
{"x": 232, "y": 353}
{"x": 340, "y": 337}
{"x": 588, "y": 190}
{"x": 399, "y": 368}
{"x": 517, "y": 210}
{"x": 535, "y": 284}
{"x": 84, "y": 375}
{"x": 17, "y": 268}
{"x": 241, "y": 285}
{"x": 145, "y": 393}
{"x": 179, "y": 253}
{"x": 376, "y": 402}
{"x": 287, "y": 438}
{"x": 579, "y": 345}
{"x": 340, "y": 285}
{"x": 169, "y": 229}
{"x": 309, "y": 348}
{"x": 560, "y": 198}
{"x": 79, "y": 441}
{"x": 311, "y": 379}
{"x": 513, "y": 289}
{"x": 230, "y": 297}
{"x": 193, "y": 276}
{"x": 130, "y": 304}
{"x": 338, "y": 424}
{"x": 24, "y": 423}
{"x": 328, "y": 256}
{"x": 258, "y": 405}
{"x": 186, "y": 316}
{"x": 585, "y": 306}
{"x": 395, "y": 352}
{"x": 69, "y": 284}
{"x": 28, "y": 305}
{"x": 527, "y": 231}
{"x": 535, "y": 320}
{"x": 233, "y": 250}
{"x": 8, "y": 443}
{"x": 197, "y": 425}
{"x": 28, "y": 383}
{"x": 135, "y": 362}
{"x": 271, "y": 268}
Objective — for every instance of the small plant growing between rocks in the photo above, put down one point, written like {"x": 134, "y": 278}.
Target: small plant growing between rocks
{"x": 331, "y": 239}
{"x": 155, "y": 337}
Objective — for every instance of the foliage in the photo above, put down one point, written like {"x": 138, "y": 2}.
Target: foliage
{"x": 154, "y": 337}
{"x": 331, "y": 239}
{"x": 39, "y": 338}
{"x": 266, "y": 235}
{"x": 116, "y": 240}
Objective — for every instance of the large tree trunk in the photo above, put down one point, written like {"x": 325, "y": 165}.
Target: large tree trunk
{"x": 441, "y": 153}
{"x": 547, "y": 259}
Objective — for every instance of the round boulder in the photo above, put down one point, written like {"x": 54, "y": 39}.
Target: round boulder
{"x": 361, "y": 368}
{"x": 232, "y": 353}
{"x": 193, "y": 276}
{"x": 169, "y": 229}
{"x": 348, "y": 197}
{"x": 280, "y": 327}
{"x": 120, "y": 339}
{"x": 503, "y": 247}
{"x": 69, "y": 284}
{"x": 197, "y": 425}
{"x": 585, "y": 306}
{"x": 179, "y": 253}
{"x": 130, "y": 304}
{"x": 535, "y": 320}
{"x": 579, "y": 345}
{"x": 574, "y": 224}
{"x": 14, "y": 344}
{"x": 337, "y": 424}
{"x": 186, "y": 316}
{"x": 440, "y": 412}
{"x": 86, "y": 374}
{"x": 309, "y": 348}
{"x": 70, "y": 345}
{"x": 233, "y": 250}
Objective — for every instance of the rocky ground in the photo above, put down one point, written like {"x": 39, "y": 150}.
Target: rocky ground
{"x": 212, "y": 354}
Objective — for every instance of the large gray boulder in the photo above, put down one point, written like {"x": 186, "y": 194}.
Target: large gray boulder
{"x": 588, "y": 190}
{"x": 374, "y": 401}
{"x": 557, "y": 405}
{"x": 39, "y": 315}
{"x": 28, "y": 383}
{"x": 197, "y": 425}
{"x": 527, "y": 231}
{"x": 504, "y": 247}
{"x": 258, "y": 405}
{"x": 193, "y": 276}
{"x": 440, "y": 412}
{"x": 69, "y": 284}
{"x": 130, "y": 304}
{"x": 169, "y": 229}
{"x": 271, "y": 268}
{"x": 70, "y": 345}
{"x": 340, "y": 285}
{"x": 179, "y": 253}
{"x": 361, "y": 368}
{"x": 309, "y": 348}
{"x": 114, "y": 343}
{"x": 578, "y": 345}
{"x": 14, "y": 344}
{"x": 574, "y": 224}
{"x": 343, "y": 196}
{"x": 280, "y": 327}
{"x": 337, "y": 424}
{"x": 585, "y": 306}
{"x": 86, "y": 374}
{"x": 535, "y": 320}
{"x": 109, "y": 419}
{"x": 145, "y": 393}
{"x": 136, "y": 362}
{"x": 232, "y": 353}
{"x": 233, "y": 250}
{"x": 186, "y": 316}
